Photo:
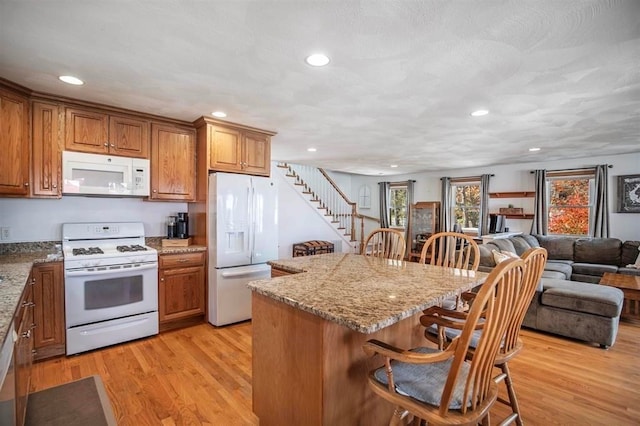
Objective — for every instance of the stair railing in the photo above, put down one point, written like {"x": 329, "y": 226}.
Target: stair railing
{"x": 324, "y": 191}
{"x": 362, "y": 218}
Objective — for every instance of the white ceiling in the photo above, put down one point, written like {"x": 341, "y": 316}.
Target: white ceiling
{"x": 404, "y": 75}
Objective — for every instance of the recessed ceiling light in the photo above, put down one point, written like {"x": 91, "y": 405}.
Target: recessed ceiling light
{"x": 479, "y": 113}
{"x": 219, "y": 114}
{"x": 71, "y": 80}
{"x": 534, "y": 149}
{"x": 393, "y": 165}
{"x": 311, "y": 149}
{"x": 317, "y": 60}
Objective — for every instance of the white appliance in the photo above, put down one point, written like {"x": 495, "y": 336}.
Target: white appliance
{"x": 111, "y": 284}
{"x": 243, "y": 236}
{"x": 94, "y": 174}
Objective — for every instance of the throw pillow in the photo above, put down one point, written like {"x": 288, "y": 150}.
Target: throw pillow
{"x": 501, "y": 256}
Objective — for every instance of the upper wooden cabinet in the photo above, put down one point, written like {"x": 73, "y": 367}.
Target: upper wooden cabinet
{"x": 235, "y": 148}
{"x": 100, "y": 133}
{"x": 14, "y": 142}
{"x": 173, "y": 163}
{"x": 47, "y": 150}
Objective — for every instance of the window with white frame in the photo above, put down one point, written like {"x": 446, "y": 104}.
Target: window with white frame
{"x": 570, "y": 199}
{"x": 466, "y": 203}
{"x": 398, "y": 206}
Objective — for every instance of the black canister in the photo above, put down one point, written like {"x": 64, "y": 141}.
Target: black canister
{"x": 182, "y": 225}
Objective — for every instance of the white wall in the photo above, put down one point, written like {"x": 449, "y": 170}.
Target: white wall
{"x": 516, "y": 177}
{"x": 41, "y": 219}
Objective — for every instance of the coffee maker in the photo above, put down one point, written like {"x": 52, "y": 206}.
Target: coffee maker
{"x": 182, "y": 225}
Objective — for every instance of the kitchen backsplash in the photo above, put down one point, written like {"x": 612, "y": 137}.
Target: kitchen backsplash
{"x": 40, "y": 220}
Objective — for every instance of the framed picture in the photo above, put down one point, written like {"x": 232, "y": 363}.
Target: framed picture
{"x": 364, "y": 197}
{"x": 629, "y": 194}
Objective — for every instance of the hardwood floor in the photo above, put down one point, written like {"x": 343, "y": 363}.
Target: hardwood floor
{"x": 201, "y": 375}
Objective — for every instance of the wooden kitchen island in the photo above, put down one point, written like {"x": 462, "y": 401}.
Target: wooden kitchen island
{"x": 308, "y": 330}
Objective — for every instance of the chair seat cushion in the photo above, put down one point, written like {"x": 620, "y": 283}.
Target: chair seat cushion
{"x": 583, "y": 297}
{"x": 425, "y": 382}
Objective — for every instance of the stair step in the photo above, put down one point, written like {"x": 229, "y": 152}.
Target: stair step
{"x": 283, "y": 166}
{"x": 290, "y": 175}
{"x": 300, "y": 184}
{"x": 335, "y": 221}
{"x": 342, "y": 227}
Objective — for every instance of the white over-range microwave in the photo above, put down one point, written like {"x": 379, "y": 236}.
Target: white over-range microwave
{"x": 106, "y": 175}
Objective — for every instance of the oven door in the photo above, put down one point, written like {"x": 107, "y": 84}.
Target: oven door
{"x": 115, "y": 292}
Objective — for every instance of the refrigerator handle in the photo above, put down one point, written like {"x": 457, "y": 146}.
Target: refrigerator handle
{"x": 253, "y": 223}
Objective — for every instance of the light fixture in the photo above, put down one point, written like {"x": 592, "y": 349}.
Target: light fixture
{"x": 393, "y": 166}
{"x": 219, "y": 114}
{"x": 317, "y": 60}
{"x": 479, "y": 113}
{"x": 311, "y": 149}
{"x": 69, "y": 79}
{"x": 534, "y": 149}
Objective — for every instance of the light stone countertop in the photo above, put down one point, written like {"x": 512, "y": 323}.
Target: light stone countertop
{"x": 14, "y": 272}
{"x": 363, "y": 293}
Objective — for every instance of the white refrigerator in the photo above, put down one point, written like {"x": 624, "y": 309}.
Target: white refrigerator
{"x": 243, "y": 236}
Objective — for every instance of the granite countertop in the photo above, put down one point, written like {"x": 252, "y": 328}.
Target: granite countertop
{"x": 14, "y": 272}
{"x": 363, "y": 293}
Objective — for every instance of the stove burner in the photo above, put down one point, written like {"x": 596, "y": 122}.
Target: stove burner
{"x": 86, "y": 251}
{"x": 135, "y": 247}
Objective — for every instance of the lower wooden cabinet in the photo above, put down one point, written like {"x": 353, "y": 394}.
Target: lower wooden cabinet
{"x": 48, "y": 295}
{"x": 23, "y": 351}
{"x": 181, "y": 289}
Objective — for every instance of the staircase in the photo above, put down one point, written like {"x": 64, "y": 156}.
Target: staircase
{"x": 324, "y": 194}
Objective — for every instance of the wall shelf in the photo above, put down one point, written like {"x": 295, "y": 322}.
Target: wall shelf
{"x": 517, "y": 216}
{"x": 513, "y": 194}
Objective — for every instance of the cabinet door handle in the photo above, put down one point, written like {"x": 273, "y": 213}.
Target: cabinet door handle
{"x": 26, "y": 184}
{"x": 26, "y": 334}
{"x": 162, "y": 279}
{"x": 106, "y": 144}
{"x": 154, "y": 191}
{"x": 112, "y": 146}
{"x": 183, "y": 260}
{"x": 54, "y": 186}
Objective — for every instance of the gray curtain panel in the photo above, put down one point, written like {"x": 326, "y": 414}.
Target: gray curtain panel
{"x": 599, "y": 226}
{"x": 446, "y": 218}
{"x": 483, "y": 226}
{"x": 384, "y": 204}
{"x": 540, "y": 209}
{"x": 410, "y": 191}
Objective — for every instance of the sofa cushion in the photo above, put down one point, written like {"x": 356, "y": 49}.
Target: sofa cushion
{"x": 501, "y": 256}
{"x": 486, "y": 256}
{"x": 592, "y": 269}
{"x": 582, "y": 297}
{"x": 629, "y": 253}
{"x": 503, "y": 244}
{"x": 604, "y": 251}
{"x": 530, "y": 239}
{"x": 553, "y": 274}
{"x": 593, "y": 279}
{"x": 629, "y": 271}
{"x": 522, "y": 244}
{"x": 561, "y": 266}
{"x": 558, "y": 247}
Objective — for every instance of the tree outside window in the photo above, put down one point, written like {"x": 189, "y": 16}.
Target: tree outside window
{"x": 570, "y": 205}
{"x": 398, "y": 206}
{"x": 466, "y": 208}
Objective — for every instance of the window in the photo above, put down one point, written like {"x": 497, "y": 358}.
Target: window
{"x": 466, "y": 205}
{"x": 398, "y": 206}
{"x": 570, "y": 198}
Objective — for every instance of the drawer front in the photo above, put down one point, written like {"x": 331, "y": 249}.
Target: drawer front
{"x": 182, "y": 259}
